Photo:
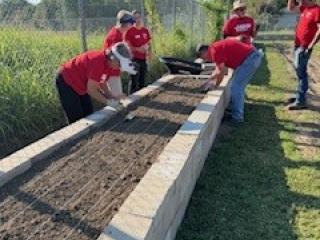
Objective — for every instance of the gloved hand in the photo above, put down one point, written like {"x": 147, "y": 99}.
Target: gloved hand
{"x": 117, "y": 105}
{"x": 207, "y": 86}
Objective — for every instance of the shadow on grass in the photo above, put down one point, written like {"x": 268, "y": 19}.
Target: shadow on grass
{"x": 263, "y": 70}
{"x": 242, "y": 192}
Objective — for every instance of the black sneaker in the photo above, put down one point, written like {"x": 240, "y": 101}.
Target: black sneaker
{"x": 227, "y": 118}
{"x": 290, "y": 101}
{"x": 227, "y": 111}
{"x": 296, "y": 106}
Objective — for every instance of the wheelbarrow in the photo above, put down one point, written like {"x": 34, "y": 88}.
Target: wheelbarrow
{"x": 180, "y": 66}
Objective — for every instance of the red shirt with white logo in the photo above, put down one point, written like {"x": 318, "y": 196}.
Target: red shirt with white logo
{"x": 236, "y": 26}
{"x": 138, "y": 37}
{"x": 307, "y": 26}
{"x": 231, "y": 52}
{"x": 113, "y": 36}
{"x": 89, "y": 65}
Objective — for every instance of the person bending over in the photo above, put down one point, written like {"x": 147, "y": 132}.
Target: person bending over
{"x": 87, "y": 75}
{"x": 244, "y": 59}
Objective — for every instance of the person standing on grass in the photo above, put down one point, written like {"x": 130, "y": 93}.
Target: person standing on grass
{"x": 125, "y": 21}
{"x": 240, "y": 25}
{"x": 307, "y": 35}
{"x": 87, "y": 75}
{"x": 244, "y": 59}
{"x": 138, "y": 37}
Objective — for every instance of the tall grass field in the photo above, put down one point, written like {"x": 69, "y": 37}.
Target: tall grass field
{"x": 29, "y": 61}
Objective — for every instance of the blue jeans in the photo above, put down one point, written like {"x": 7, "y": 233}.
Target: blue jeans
{"x": 301, "y": 59}
{"x": 241, "y": 77}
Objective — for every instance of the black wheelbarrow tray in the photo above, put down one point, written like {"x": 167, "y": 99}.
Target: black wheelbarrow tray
{"x": 180, "y": 66}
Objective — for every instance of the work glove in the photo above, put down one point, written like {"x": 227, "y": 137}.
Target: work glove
{"x": 117, "y": 105}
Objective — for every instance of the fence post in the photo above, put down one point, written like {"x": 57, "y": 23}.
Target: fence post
{"x": 142, "y": 10}
{"x": 64, "y": 14}
{"x": 192, "y": 25}
{"x": 174, "y": 13}
{"x": 229, "y": 9}
{"x": 82, "y": 19}
{"x": 202, "y": 22}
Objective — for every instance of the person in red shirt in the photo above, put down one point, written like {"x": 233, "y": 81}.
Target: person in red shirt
{"x": 138, "y": 37}
{"x": 125, "y": 21}
{"x": 86, "y": 76}
{"x": 244, "y": 59}
{"x": 307, "y": 35}
{"x": 239, "y": 25}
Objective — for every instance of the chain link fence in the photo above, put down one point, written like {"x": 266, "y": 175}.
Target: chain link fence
{"x": 282, "y": 21}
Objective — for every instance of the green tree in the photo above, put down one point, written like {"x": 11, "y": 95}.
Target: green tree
{"x": 216, "y": 10}
{"x": 153, "y": 16}
{"x": 15, "y": 11}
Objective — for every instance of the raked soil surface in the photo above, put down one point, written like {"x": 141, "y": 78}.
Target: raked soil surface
{"x": 74, "y": 194}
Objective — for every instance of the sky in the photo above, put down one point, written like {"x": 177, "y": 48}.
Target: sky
{"x": 33, "y": 1}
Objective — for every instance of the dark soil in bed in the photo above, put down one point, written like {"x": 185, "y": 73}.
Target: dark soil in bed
{"x": 74, "y": 193}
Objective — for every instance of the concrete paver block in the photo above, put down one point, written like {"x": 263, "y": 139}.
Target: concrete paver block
{"x": 163, "y": 194}
{"x": 22, "y": 160}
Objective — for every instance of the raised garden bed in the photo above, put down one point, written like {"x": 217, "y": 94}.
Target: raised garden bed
{"x": 74, "y": 193}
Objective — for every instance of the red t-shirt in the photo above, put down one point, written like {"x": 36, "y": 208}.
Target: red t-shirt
{"x": 236, "y": 26}
{"x": 137, "y": 38}
{"x": 231, "y": 52}
{"x": 307, "y": 25}
{"x": 113, "y": 36}
{"x": 89, "y": 65}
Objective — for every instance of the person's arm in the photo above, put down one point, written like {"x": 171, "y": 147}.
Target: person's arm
{"x": 137, "y": 49}
{"x": 94, "y": 90}
{"x": 149, "y": 53}
{"x": 293, "y": 7}
{"x": 127, "y": 39}
{"x": 218, "y": 74}
{"x": 315, "y": 39}
{"x": 216, "y": 78}
{"x": 240, "y": 37}
{"x": 106, "y": 91}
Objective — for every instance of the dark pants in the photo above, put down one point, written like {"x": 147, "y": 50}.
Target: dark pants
{"x": 301, "y": 59}
{"x": 75, "y": 106}
{"x": 138, "y": 80}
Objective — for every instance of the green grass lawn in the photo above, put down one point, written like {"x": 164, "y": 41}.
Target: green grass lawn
{"x": 317, "y": 51}
{"x": 256, "y": 183}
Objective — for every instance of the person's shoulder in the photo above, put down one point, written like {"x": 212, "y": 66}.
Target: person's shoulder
{"x": 112, "y": 31}
{"x": 249, "y": 18}
{"x": 232, "y": 19}
{"x": 147, "y": 31}
{"x": 95, "y": 54}
{"x": 131, "y": 30}
{"x": 144, "y": 28}
{"x": 302, "y": 8}
{"x": 218, "y": 43}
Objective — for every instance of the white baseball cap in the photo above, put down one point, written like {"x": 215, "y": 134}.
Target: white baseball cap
{"x": 122, "y": 53}
{"x": 239, "y": 4}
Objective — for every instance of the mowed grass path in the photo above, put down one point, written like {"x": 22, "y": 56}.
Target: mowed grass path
{"x": 256, "y": 184}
